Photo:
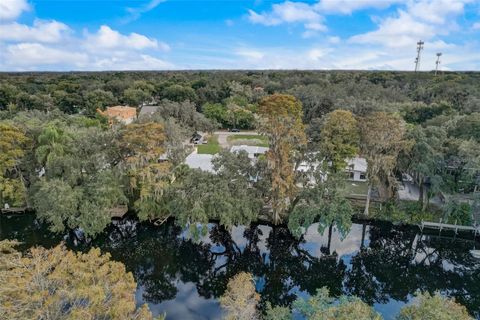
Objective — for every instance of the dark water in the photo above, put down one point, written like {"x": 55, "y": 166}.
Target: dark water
{"x": 382, "y": 264}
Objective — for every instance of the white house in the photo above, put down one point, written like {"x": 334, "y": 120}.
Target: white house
{"x": 253, "y": 151}
{"x": 357, "y": 169}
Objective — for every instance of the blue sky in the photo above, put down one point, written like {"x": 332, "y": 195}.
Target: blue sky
{"x": 237, "y": 34}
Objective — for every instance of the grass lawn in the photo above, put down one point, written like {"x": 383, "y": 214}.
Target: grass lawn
{"x": 248, "y": 139}
{"x": 356, "y": 187}
{"x": 212, "y": 147}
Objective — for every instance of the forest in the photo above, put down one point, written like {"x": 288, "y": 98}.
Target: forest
{"x": 62, "y": 159}
{"x": 69, "y": 164}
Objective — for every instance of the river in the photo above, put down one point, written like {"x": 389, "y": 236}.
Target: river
{"x": 381, "y": 263}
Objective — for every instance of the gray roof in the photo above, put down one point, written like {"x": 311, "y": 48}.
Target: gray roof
{"x": 148, "y": 110}
{"x": 357, "y": 164}
{"x": 251, "y": 150}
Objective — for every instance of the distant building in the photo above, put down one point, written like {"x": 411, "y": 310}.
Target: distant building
{"x": 253, "y": 151}
{"x": 357, "y": 169}
{"x": 122, "y": 114}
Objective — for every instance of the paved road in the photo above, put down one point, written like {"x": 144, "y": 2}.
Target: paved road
{"x": 223, "y": 136}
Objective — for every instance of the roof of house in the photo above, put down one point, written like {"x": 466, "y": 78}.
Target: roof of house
{"x": 251, "y": 150}
{"x": 200, "y": 161}
{"x": 357, "y": 164}
{"x": 120, "y": 112}
{"x": 148, "y": 110}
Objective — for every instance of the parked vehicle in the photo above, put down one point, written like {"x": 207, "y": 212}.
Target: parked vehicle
{"x": 234, "y": 130}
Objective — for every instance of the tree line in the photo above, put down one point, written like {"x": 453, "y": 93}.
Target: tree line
{"x": 61, "y": 158}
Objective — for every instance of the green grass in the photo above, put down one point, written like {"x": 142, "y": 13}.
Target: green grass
{"x": 249, "y": 139}
{"x": 356, "y": 187}
{"x": 212, "y": 147}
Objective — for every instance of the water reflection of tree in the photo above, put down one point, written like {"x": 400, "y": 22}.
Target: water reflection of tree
{"x": 399, "y": 262}
{"x": 394, "y": 265}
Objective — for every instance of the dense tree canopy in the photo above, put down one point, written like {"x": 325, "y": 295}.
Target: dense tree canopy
{"x": 60, "y": 284}
{"x": 73, "y": 169}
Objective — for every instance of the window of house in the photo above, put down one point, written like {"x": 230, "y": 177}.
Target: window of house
{"x": 363, "y": 176}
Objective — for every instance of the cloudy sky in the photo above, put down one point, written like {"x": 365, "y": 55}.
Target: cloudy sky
{"x": 237, "y": 34}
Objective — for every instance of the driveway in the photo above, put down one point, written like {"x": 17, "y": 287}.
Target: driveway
{"x": 223, "y": 136}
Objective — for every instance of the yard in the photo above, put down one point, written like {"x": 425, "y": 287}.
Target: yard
{"x": 211, "y": 147}
{"x": 356, "y": 188}
{"x": 248, "y": 139}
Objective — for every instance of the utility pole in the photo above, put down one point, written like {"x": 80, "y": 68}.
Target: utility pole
{"x": 437, "y": 63}
{"x": 417, "y": 59}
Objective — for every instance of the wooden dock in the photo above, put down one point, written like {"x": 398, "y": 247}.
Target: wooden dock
{"x": 14, "y": 210}
{"x": 119, "y": 211}
{"x": 445, "y": 226}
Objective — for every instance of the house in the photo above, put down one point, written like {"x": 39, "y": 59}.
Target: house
{"x": 357, "y": 169}
{"x": 253, "y": 151}
{"x": 147, "y": 111}
{"x": 122, "y": 114}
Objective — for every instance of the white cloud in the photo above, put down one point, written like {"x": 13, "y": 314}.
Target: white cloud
{"x": 476, "y": 26}
{"x": 334, "y": 40}
{"x": 130, "y": 62}
{"x": 41, "y": 31}
{"x": 250, "y": 54}
{"x": 12, "y": 9}
{"x": 135, "y": 13}
{"x": 107, "y": 38}
{"x": 422, "y": 20}
{"x": 316, "y": 53}
{"x": 348, "y": 6}
{"x": 35, "y": 55}
{"x": 290, "y": 12}
{"x": 311, "y": 15}
{"x": 401, "y": 31}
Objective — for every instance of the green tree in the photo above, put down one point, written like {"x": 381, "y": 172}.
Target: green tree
{"x": 179, "y": 93}
{"x": 198, "y": 197}
{"x": 323, "y": 307}
{"x": 13, "y": 144}
{"x": 52, "y": 144}
{"x": 324, "y": 202}
{"x": 60, "y": 284}
{"x": 98, "y": 99}
{"x": 216, "y": 112}
{"x": 136, "y": 97}
{"x": 339, "y": 138}
{"x": 425, "y": 159}
{"x": 240, "y": 299}
{"x": 382, "y": 140}
{"x": 282, "y": 123}
{"x": 277, "y": 313}
{"x": 8, "y": 94}
{"x": 57, "y": 202}
{"x": 142, "y": 145}
{"x": 435, "y": 307}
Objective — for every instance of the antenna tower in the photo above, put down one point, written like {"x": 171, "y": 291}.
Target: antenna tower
{"x": 417, "y": 59}
{"x": 437, "y": 63}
